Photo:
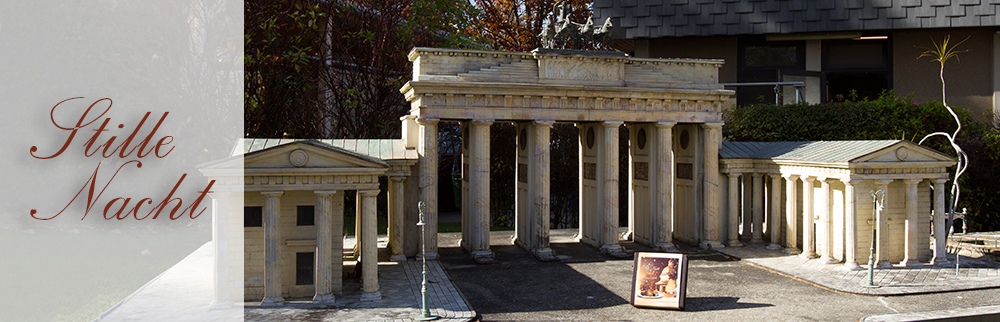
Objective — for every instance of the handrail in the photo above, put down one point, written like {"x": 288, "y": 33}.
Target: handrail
{"x": 777, "y": 88}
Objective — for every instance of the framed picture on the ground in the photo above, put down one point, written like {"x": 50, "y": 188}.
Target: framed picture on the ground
{"x": 659, "y": 280}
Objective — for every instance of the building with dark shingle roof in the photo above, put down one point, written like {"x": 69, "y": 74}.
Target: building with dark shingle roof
{"x": 835, "y": 46}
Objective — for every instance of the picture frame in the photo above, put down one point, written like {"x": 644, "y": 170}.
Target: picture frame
{"x": 659, "y": 280}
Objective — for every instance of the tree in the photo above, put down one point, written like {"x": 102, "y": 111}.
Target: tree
{"x": 515, "y": 25}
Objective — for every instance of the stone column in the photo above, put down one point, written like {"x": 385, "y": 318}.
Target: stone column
{"x": 850, "y": 226}
{"x": 712, "y": 138}
{"x": 220, "y": 243}
{"x": 369, "y": 246}
{"x": 664, "y": 211}
{"x": 734, "y": 210}
{"x": 479, "y": 191}
{"x": 428, "y": 151}
{"x": 324, "y": 247}
{"x": 747, "y": 210}
{"x": 774, "y": 222}
{"x": 826, "y": 223}
{"x": 807, "y": 218}
{"x": 396, "y": 218}
{"x": 272, "y": 250}
{"x": 791, "y": 213}
{"x": 882, "y": 250}
{"x": 609, "y": 236}
{"x": 940, "y": 231}
{"x": 541, "y": 206}
{"x": 911, "y": 253}
{"x": 758, "y": 208}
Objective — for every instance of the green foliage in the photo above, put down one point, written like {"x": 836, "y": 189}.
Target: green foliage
{"x": 889, "y": 117}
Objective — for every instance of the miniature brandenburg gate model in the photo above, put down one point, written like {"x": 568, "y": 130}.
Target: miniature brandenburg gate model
{"x": 816, "y": 204}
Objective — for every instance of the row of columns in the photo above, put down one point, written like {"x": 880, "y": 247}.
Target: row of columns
{"x": 817, "y": 218}
{"x": 366, "y": 237}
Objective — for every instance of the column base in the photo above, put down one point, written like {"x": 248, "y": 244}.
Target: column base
{"x": 911, "y": 263}
{"x": 756, "y": 240}
{"x": 666, "y": 247}
{"x": 324, "y": 299}
{"x": 807, "y": 255}
{"x": 941, "y": 262}
{"x": 827, "y": 259}
{"x": 398, "y": 258}
{"x": 483, "y": 257}
{"x": 544, "y": 254}
{"x": 220, "y": 305}
{"x": 272, "y": 301}
{"x": 734, "y": 243}
{"x": 852, "y": 266}
{"x": 883, "y": 264}
{"x": 791, "y": 251}
{"x": 711, "y": 244}
{"x": 371, "y": 297}
{"x": 614, "y": 250}
{"x": 430, "y": 256}
{"x": 773, "y": 247}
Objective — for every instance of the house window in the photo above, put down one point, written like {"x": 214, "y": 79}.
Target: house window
{"x": 253, "y": 217}
{"x": 763, "y": 61}
{"x": 304, "y": 268}
{"x": 306, "y": 216}
{"x": 856, "y": 69}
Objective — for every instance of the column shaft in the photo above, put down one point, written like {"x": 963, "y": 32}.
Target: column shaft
{"x": 774, "y": 221}
{"x": 911, "y": 253}
{"x": 826, "y": 222}
{"x": 428, "y": 151}
{"x": 734, "y": 210}
{"x": 396, "y": 218}
{"x": 664, "y": 211}
{"x": 369, "y": 246}
{"x": 324, "y": 247}
{"x": 479, "y": 191}
{"x": 850, "y": 226}
{"x": 272, "y": 251}
{"x": 712, "y": 223}
{"x": 609, "y": 235}
{"x": 220, "y": 242}
{"x": 758, "y": 208}
{"x": 882, "y": 250}
{"x": 791, "y": 214}
{"x": 540, "y": 213}
{"x": 807, "y": 218}
{"x": 940, "y": 231}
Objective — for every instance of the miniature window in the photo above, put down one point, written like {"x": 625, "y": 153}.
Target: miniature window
{"x": 253, "y": 217}
{"x": 306, "y": 216}
{"x": 304, "y": 268}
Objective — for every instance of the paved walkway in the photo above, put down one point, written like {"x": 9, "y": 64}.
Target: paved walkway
{"x": 184, "y": 292}
{"x": 973, "y": 274}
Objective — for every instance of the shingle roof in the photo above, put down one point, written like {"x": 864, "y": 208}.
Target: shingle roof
{"x": 378, "y": 149}
{"x": 675, "y": 18}
{"x": 805, "y": 151}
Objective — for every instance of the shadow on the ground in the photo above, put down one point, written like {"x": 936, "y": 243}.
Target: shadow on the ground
{"x": 716, "y": 303}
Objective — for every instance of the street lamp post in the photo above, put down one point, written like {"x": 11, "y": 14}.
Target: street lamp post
{"x": 877, "y": 207}
{"x": 425, "y": 311}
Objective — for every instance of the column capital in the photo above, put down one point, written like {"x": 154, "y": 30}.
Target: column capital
{"x": 848, "y": 181}
{"x": 940, "y": 180}
{"x": 427, "y": 121}
{"x": 486, "y": 122}
{"x": 788, "y": 176}
{"x": 613, "y": 123}
{"x": 368, "y": 193}
{"x": 883, "y": 181}
{"x": 666, "y": 124}
{"x": 913, "y": 181}
{"x": 407, "y": 117}
{"x": 544, "y": 122}
{"x": 325, "y": 193}
{"x": 757, "y": 175}
{"x": 713, "y": 125}
{"x": 397, "y": 178}
{"x": 808, "y": 178}
{"x": 273, "y": 194}
{"x": 734, "y": 174}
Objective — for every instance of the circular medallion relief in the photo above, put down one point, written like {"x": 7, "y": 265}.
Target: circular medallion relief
{"x": 684, "y": 138}
{"x": 640, "y": 139}
{"x": 590, "y": 138}
{"x": 902, "y": 154}
{"x": 523, "y": 139}
{"x": 298, "y": 158}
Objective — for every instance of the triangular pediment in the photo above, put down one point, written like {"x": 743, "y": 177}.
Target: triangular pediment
{"x": 904, "y": 151}
{"x": 305, "y": 154}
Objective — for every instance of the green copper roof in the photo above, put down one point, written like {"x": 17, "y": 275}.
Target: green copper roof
{"x": 806, "y": 151}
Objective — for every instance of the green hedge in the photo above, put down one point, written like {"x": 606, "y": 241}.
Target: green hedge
{"x": 889, "y": 117}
